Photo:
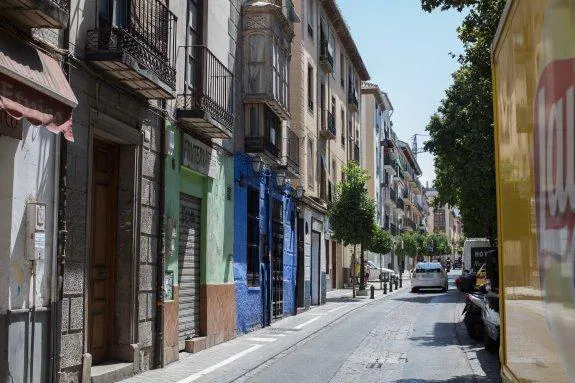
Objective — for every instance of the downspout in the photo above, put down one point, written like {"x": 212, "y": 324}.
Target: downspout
{"x": 60, "y": 238}
{"x": 159, "y": 319}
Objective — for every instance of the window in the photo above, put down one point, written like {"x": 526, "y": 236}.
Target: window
{"x": 342, "y": 122}
{"x": 310, "y": 176}
{"x": 256, "y": 62}
{"x": 310, "y": 83}
{"x": 310, "y": 18}
{"x": 253, "y": 125}
{"x": 274, "y": 126}
{"x": 253, "y": 238}
{"x": 333, "y": 114}
{"x": 194, "y": 39}
{"x": 341, "y": 70}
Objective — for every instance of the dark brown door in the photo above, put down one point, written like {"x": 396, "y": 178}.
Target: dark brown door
{"x": 333, "y": 264}
{"x": 104, "y": 201}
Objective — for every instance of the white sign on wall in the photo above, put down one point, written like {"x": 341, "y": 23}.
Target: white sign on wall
{"x": 198, "y": 156}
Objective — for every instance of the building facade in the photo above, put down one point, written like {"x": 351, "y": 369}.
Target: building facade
{"x": 266, "y": 159}
{"x": 376, "y": 120}
{"x": 199, "y": 304}
{"x": 326, "y": 73}
{"x": 36, "y": 102}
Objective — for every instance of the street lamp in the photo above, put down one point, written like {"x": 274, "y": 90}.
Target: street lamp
{"x": 299, "y": 192}
{"x": 280, "y": 179}
{"x": 257, "y": 164}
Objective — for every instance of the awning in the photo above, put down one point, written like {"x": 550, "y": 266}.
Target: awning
{"x": 33, "y": 86}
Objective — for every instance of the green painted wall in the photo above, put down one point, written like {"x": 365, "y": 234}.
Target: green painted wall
{"x": 217, "y": 214}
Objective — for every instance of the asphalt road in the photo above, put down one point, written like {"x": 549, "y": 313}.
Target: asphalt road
{"x": 408, "y": 338}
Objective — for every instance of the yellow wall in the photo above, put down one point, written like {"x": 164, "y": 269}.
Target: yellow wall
{"x": 530, "y": 350}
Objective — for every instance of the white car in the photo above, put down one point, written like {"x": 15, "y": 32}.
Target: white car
{"x": 429, "y": 275}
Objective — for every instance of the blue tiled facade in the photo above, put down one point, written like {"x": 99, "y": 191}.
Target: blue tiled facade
{"x": 252, "y": 303}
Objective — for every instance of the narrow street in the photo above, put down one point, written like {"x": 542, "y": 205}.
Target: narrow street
{"x": 402, "y": 337}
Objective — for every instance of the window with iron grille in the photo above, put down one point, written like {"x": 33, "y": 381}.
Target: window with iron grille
{"x": 310, "y": 83}
{"x": 310, "y": 19}
{"x": 253, "y": 237}
{"x": 310, "y": 156}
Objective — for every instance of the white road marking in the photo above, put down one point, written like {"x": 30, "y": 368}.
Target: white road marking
{"x": 224, "y": 362}
{"x": 256, "y": 339}
{"x": 335, "y": 309}
{"x": 306, "y": 323}
{"x": 276, "y": 334}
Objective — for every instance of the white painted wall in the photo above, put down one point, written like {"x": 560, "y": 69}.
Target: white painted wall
{"x": 27, "y": 174}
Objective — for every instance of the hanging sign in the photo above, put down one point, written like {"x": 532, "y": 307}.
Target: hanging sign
{"x": 198, "y": 156}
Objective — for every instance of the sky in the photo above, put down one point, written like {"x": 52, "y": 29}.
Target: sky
{"x": 406, "y": 52}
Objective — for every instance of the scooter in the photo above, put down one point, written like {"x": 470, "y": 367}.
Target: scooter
{"x": 473, "y": 319}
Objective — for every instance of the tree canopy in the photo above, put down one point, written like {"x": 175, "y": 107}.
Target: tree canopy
{"x": 461, "y": 130}
{"x": 381, "y": 241}
{"x": 352, "y": 212}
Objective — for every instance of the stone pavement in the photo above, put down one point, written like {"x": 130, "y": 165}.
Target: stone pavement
{"x": 231, "y": 360}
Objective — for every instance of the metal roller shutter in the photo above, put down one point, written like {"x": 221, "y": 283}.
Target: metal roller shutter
{"x": 189, "y": 269}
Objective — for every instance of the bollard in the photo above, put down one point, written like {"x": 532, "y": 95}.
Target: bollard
{"x": 391, "y": 285}
{"x": 400, "y": 282}
{"x": 396, "y": 282}
{"x": 384, "y": 288}
{"x": 372, "y": 292}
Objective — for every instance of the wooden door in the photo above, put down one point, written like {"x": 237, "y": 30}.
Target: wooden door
{"x": 104, "y": 202}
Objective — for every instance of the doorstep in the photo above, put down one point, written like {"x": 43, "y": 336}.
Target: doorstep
{"x": 111, "y": 372}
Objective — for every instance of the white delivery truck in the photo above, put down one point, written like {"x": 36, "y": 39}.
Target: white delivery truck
{"x": 469, "y": 244}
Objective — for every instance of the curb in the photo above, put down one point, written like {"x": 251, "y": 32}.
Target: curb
{"x": 312, "y": 334}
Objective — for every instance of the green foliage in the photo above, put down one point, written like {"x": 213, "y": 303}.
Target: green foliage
{"x": 438, "y": 243}
{"x": 461, "y": 130}
{"x": 381, "y": 242}
{"x": 352, "y": 213}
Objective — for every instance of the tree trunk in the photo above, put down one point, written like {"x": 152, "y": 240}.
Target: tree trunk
{"x": 361, "y": 271}
{"x": 353, "y": 259}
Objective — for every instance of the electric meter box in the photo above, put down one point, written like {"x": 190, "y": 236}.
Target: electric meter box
{"x": 35, "y": 231}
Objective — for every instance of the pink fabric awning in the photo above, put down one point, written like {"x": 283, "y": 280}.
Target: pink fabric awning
{"x": 33, "y": 86}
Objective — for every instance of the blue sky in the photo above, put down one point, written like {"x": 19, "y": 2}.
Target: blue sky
{"x": 406, "y": 51}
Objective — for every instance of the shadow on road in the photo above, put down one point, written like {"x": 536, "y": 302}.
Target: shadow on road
{"x": 425, "y": 296}
{"x": 458, "y": 379}
{"x": 343, "y": 299}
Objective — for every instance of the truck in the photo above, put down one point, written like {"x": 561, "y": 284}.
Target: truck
{"x": 533, "y": 73}
{"x": 468, "y": 245}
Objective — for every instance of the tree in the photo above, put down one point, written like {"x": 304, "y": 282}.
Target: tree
{"x": 461, "y": 130}
{"x": 381, "y": 241}
{"x": 352, "y": 212}
{"x": 437, "y": 244}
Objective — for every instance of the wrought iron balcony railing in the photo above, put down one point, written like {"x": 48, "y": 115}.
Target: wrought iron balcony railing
{"x": 325, "y": 57}
{"x": 211, "y": 96}
{"x": 146, "y": 43}
{"x": 328, "y": 126}
{"x": 37, "y": 13}
{"x": 352, "y": 99}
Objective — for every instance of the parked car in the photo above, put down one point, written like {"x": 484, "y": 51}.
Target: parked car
{"x": 379, "y": 273}
{"x": 429, "y": 275}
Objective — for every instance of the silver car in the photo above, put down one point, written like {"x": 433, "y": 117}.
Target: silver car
{"x": 428, "y": 275}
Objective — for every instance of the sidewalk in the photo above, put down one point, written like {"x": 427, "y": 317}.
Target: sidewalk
{"x": 231, "y": 360}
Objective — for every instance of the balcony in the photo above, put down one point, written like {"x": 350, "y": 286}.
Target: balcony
{"x": 290, "y": 164}
{"x": 325, "y": 57}
{"x": 266, "y": 142}
{"x": 208, "y": 108}
{"x": 390, "y": 197}
{"x": 407, "y": 199}
{"x": 138, "y": 54}
{"x": 409, "y": 224}
{"x": 37, "y": 13}
{"x": 389, "y": 163}
{"x": 400, "y": 204}
{"x": 393, "y": 229}
{"x": 408, "y": 174}
{"x": 352, "y": 100}
{"x": 268, "y": 33}
{"x": 328, "y": 127}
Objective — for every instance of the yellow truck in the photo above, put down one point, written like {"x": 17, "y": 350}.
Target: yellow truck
{"x": 533, "y": 63}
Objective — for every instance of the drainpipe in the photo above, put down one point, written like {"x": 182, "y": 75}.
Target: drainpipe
{"x": 159, "y": 319}
{"x": 60, "y": 238}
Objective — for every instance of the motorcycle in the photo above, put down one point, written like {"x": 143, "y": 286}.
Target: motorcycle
{"x": 473, "y": 318}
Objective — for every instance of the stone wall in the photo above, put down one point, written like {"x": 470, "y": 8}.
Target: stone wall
{"x": 137, "y": 243}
